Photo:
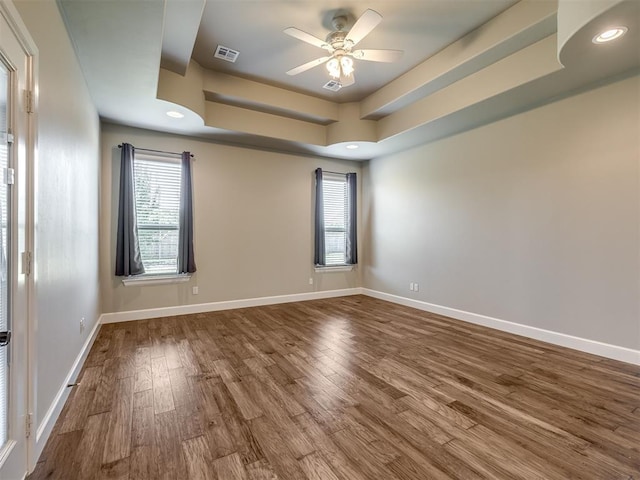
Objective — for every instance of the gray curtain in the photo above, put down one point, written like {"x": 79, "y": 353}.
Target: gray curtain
{"x": 352, "y": 234}
{"x": 186, "y": 259}
{"x": 128, "y": 260}
{"x": 319, "y": 257}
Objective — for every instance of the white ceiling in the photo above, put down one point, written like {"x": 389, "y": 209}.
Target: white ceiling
{"x": 466, "y": 62}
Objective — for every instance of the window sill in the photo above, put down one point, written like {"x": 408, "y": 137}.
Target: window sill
{"x": 155, "y": 279}
{"x": 334, "y": 268}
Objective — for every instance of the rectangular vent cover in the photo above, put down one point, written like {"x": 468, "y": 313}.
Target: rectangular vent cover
{"x": 225, "y": 53}
{"x": 333, "y": 85}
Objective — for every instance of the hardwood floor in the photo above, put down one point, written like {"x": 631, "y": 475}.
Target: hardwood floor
{"x": 341, "y": 389}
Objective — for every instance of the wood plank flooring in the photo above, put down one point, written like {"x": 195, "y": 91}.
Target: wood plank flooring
{"x": 352, "y": 388}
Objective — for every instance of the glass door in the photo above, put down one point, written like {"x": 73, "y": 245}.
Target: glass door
{"x": 5, "y": 309}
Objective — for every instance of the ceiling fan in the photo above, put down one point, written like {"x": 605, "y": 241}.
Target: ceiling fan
{"x": 340, "y": 47}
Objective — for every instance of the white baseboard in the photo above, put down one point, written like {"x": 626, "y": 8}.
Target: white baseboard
{"x": 50, "y": 418}
{"x": 225, "y": 305}
{"x": 584, "y": 345}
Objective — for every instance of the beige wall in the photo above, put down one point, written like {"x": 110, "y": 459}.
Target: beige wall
{"x": 67, "y": 193}
{"x": 533, "y": 219}
{"x": 253, "y": 214}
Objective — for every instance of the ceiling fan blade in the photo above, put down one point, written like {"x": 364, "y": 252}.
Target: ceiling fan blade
{"x": 346, "y": 81}
{"x": 378, "y": 55}
{"x": 306, "y": 66}
{"x": 367, "y": 22}
{"x": 306, "y": 37}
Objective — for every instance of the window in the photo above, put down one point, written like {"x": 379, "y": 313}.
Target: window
{"x": 154, "y": 239}
{"x": 335, "y": 219}
{"x": 157, "y": 197}
{"x": 336, "y": 203}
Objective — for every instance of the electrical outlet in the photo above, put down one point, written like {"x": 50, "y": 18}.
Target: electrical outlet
{"x": 411, "y": 286}
{"x": 194, "y": 290}
{"x": 82, "y": 325}
{"x": 310, "y": 280}
{"x": 416, "y": 287}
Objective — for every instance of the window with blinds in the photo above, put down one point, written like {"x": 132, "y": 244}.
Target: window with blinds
{"x": 336, "y": 211}
{"x": 157, "y": 195}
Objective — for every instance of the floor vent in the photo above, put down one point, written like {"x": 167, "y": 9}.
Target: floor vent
{"x": 225, "y": 53}
{"x": 333, "y": 85}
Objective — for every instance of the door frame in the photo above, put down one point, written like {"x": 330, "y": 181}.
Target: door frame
{"x": 28, "y": 103}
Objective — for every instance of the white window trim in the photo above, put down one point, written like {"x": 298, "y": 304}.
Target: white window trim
{"x": 333, "y": 268}
{"x": 139, "y": 280}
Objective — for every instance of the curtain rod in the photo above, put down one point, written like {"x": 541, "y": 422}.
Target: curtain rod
{"x": 157, "y": 151}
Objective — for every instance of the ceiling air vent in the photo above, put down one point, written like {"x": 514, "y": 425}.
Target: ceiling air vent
{"x": 225, "y": 53}
{"x": 333, "y": 85}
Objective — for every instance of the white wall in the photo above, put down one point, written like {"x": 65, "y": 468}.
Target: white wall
{"x": 253, "y": 214}
{"x": 533, "y": 219}
{"x": 67, "y": 194}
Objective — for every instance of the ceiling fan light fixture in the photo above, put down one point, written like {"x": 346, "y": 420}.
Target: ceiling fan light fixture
{"x": 340, "y": 66}
{"x": 346, "y": 63}
{"x": 333, "y": 66}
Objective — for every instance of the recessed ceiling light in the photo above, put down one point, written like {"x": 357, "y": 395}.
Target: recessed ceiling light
{"x": 609, "y": 34}
{"x": 174, "y": 114}
{"x": 352, "y": 146}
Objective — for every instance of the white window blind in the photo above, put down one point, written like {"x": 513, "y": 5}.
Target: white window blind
{"x": 336, "y": 211}
{"x": 157, "y": 194}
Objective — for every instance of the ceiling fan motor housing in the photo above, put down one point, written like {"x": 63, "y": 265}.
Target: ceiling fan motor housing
{"x": 336, "y": 40}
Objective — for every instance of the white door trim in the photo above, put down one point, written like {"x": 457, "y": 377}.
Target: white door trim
{"x": 20, "y": 31}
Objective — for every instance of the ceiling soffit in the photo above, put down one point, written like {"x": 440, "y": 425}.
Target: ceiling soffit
{"x": 532, "y": 52}
{"x": 476, "y": 67}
